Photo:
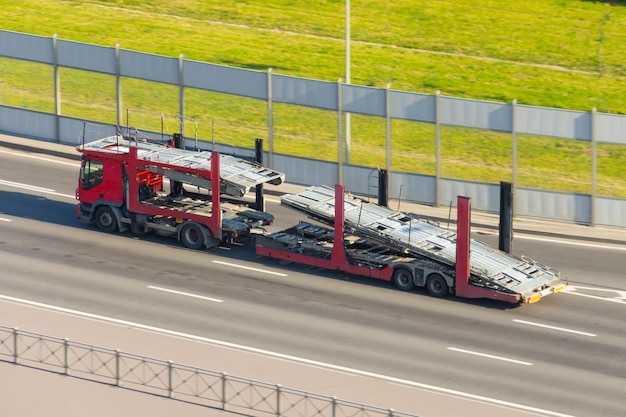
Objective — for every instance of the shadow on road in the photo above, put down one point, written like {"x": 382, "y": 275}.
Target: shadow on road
{"x": 38, "y": 208}
{"x": 420, "y": 293}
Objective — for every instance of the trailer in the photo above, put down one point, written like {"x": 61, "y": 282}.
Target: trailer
{"x": 374, "y": 241}
{"x": 122, "y": 187}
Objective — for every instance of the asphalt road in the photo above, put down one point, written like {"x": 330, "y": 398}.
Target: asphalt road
{"x": 565, "y": 354}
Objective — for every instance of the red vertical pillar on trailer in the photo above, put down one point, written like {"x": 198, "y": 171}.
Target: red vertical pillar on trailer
{"x": 463, "y": 246}
{"x": 338, "y": 256}
{"x": 216, "y": 211}
{"x": 133, "y": 193}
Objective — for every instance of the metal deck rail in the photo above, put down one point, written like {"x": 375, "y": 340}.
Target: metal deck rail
{"x": 178, "y": 381}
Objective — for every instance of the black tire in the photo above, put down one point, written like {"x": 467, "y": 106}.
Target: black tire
{"x": 403, "y": 279}
{"x": 106, "y": 220}
{"x": 192, "y": 236}
{"x": 437, "y": 286}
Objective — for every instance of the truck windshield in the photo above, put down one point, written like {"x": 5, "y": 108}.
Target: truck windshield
{"x": 91, "y": 174}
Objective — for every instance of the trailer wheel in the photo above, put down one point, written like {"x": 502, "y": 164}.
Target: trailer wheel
{"x": 403, "y": 279}
{"x": 105, "y": 219}
{"x": 436, "y": 286}
{"x": 192, "y": 236}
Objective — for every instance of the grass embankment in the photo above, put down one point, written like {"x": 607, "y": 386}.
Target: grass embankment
{"x": 543, "y": 53}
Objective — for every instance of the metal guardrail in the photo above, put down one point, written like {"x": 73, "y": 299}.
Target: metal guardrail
{"x": 177, "y": 381}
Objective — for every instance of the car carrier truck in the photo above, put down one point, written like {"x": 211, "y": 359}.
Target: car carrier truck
{"x": 375, "y": 241}
{"x": 122, "y": 187}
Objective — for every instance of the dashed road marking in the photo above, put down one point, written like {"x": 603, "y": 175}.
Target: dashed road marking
{"x": 264, "y": 271}
{"x": 485, "y": 355}
{"x": 546, "y": 326}
{"x": 186, "y": 294}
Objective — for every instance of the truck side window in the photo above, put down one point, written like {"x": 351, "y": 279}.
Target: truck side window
{"x": 91, "y": 174}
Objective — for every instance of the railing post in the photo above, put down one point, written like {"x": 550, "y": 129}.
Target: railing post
{"x": 270, "y": 119}
{"x": 277, "y": 400}
{"x": 65, "y": 356}
{"x": 390, "y": 413}
{"x": 117, "y": 367}
{"x": 339, "y": 133}
{"x": 15, "y": 354}
{"x": 224, "y": 391}
{"x": 57, "y": 88}
{"x": 334, "y": 407}
{"x": 437, "y": 148}
{"x": 169, "y": 379}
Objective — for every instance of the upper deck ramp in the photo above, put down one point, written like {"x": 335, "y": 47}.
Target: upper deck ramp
{"x": 237, "y": 175}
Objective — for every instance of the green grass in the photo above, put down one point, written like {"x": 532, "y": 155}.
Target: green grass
{"x": 545, "y": 53}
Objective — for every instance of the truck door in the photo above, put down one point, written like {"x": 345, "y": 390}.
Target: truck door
{"x": 100, "y": 179}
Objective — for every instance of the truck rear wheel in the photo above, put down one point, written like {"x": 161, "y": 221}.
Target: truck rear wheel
{"x": 105, "y": 219}
{"x": 437, "y": 286}
{"x": 191, "y": 235}
{"x": 403, "y": 279}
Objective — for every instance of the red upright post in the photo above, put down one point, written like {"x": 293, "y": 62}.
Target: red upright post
{"x": 216, "y": 211}
{"x": 462, "y": 287}
{"x": 338, "y": 256}
{"x": 462, "y": 246}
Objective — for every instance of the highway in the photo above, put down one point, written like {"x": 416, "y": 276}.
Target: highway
{"x": 565, "y": 354}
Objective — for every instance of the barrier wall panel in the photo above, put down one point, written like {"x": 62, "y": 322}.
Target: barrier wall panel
{"x": 610, "y": 212}
{"x": 485, "y": 197}
{"x": 568, "y": 124}
{"x": 71, "y": 131}
{"x": 553, "y": 205}
{"x": 360, "y": 180}
{"x": 29, "y": 47}
{"x": 306, "y": 172}
{"x": 27, "y": 123}
{"x": 476, "y": 114}
{"x": 413, "y": 106}
{"x": 223, "y": 79}
{"x": 86, "y": 57}
{"x": 610, "y": 128}
{"x": 149, "y": 67}
{"x": 413, "y": 187}
{"x": 304, "y": 92}
{"x": 363, "y": 100}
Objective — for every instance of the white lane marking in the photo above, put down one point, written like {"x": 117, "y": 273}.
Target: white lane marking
{"x": 290, "y": 358}
{"x": 35, "y": 188}
{"x": 41, "y": 158}
{"x": 562, "y": 329}
{"x": 2, "y": 219}
{"x": 620, "y": 297}
{"x": 271, "y": 200}
{"x": 265, "y": 271}
{"x": 484, "y": 355}
{"x": 216, "y": 300}
{"x": 571, "y": 242}
{"x": 27, "y": 186}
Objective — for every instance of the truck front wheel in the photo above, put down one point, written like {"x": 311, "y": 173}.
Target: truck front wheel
{"x": 403, "y": 279}
{"x": 436, "y": 286}
{"x": 192, "y": 236}
{"x": 105, "y": 219}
